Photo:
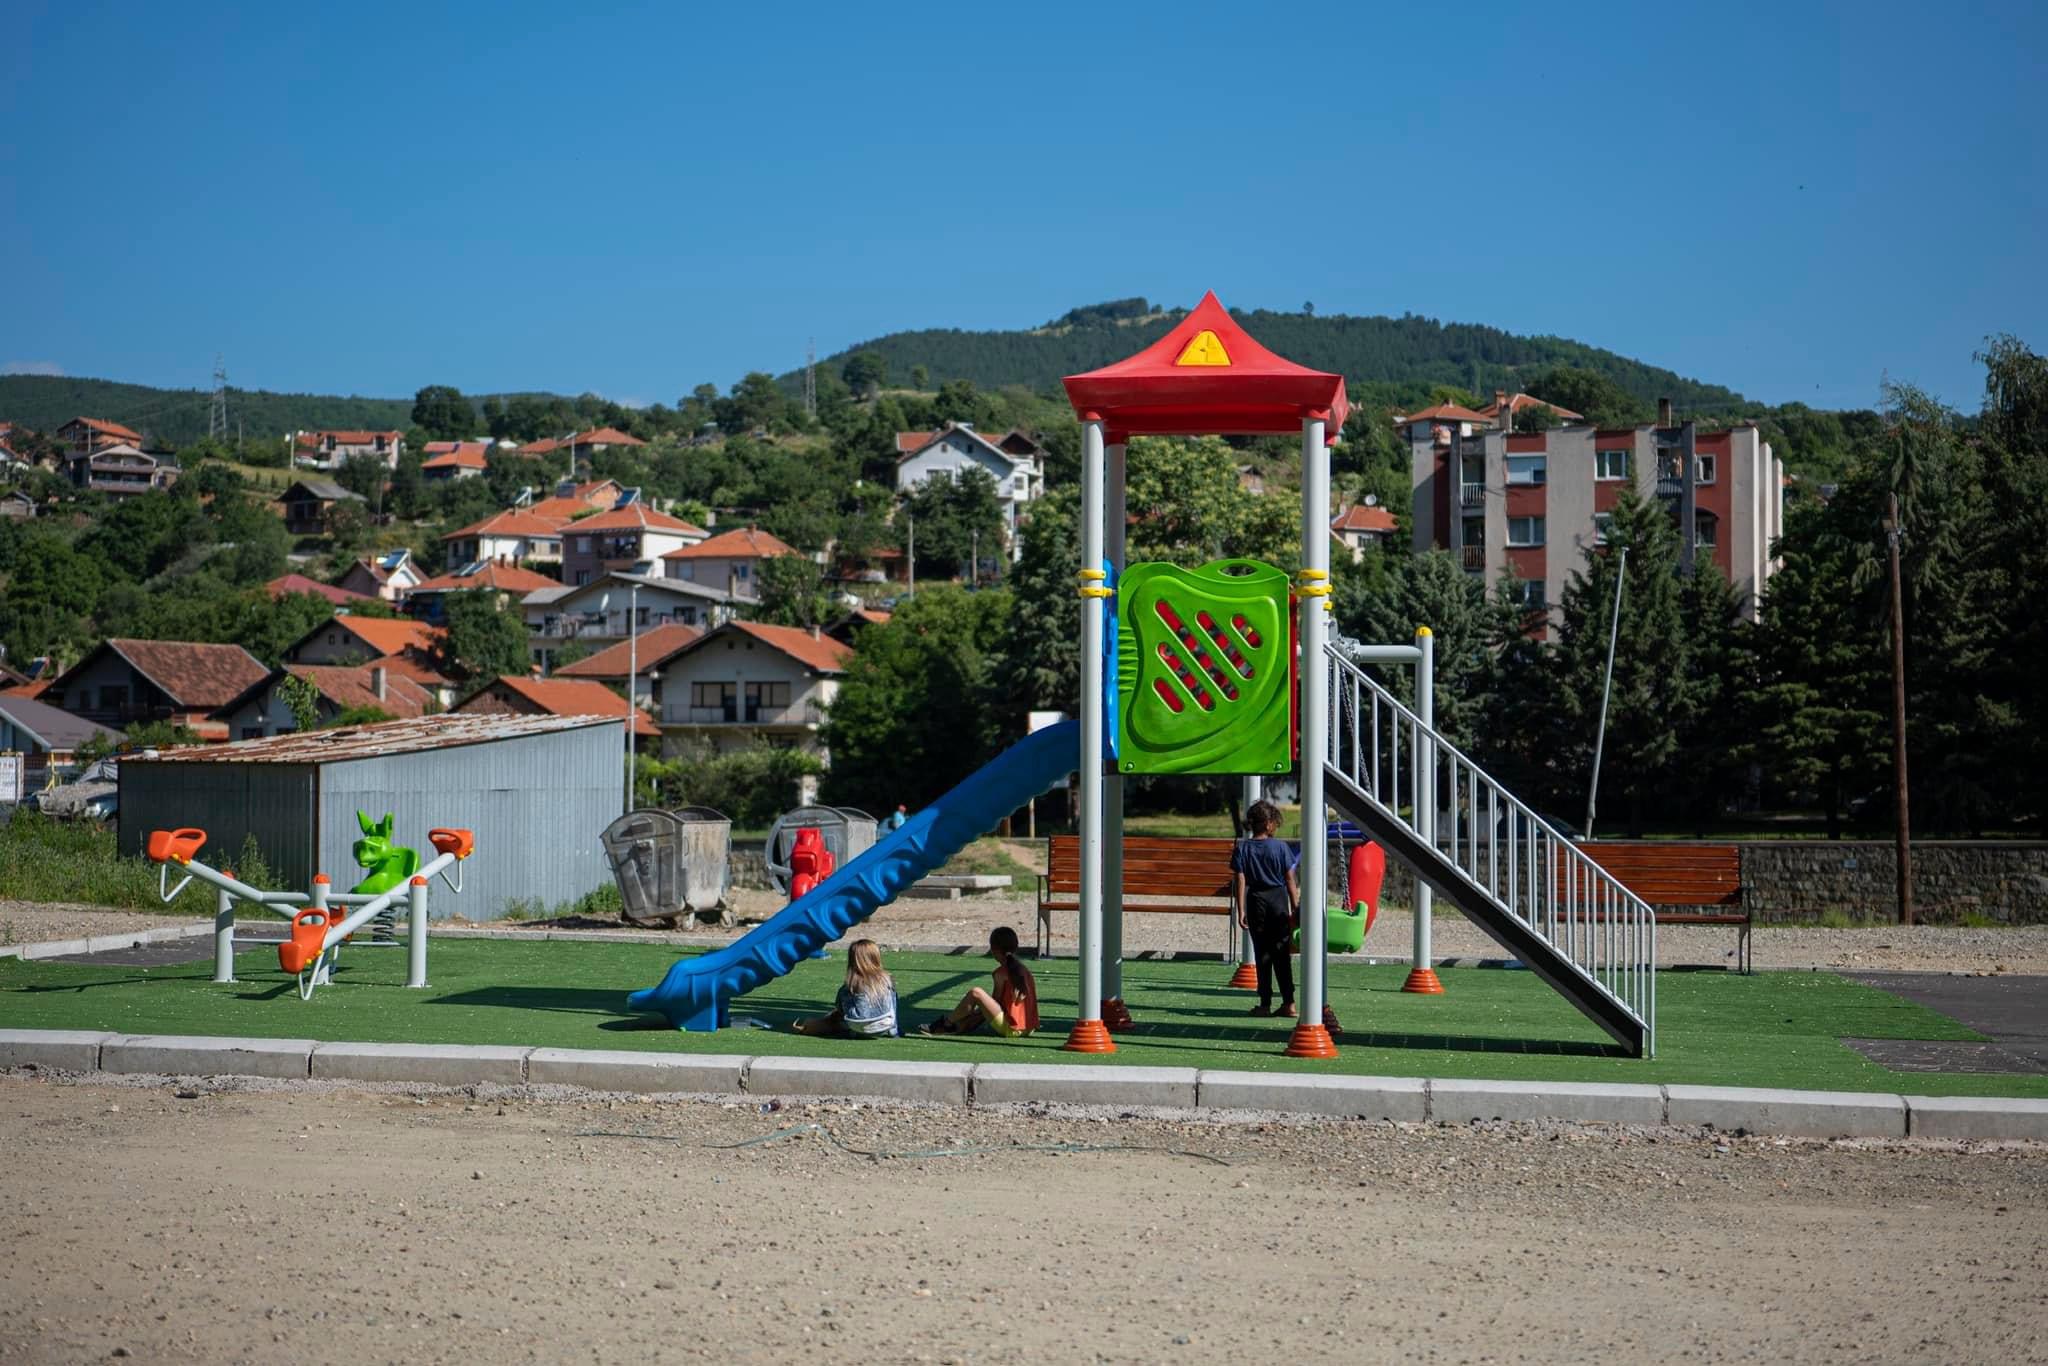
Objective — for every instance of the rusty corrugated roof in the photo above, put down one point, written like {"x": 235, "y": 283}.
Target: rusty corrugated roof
{"x": 446, "y": 731}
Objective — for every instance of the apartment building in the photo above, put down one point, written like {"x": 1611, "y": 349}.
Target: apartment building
{"x": 1530, "y": 504}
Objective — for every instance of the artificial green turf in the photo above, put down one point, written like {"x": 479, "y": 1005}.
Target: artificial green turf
{"x": 1773, "y": 1029}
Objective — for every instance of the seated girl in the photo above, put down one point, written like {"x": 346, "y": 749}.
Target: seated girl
{"x": 866, "y": 1008}
{"x": 1012, "y": 1011}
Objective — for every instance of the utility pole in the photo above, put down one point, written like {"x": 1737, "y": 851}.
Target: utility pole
{"x": 910, "y": 557}
{"x": 1893, "y": 534}
{"x": 974, "y": 560}
{"x": 811, "y": 377}
{"x": 217, "y": 410}
{"x": 1606, "y": 690}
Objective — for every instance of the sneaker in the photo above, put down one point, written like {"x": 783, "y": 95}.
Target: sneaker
{"x": 932, "y": 1029}
{"x": 1285, "y": 1012}
{"x": 1262, "y": 1011}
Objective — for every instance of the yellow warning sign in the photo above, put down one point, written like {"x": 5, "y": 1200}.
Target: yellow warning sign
{"x": 1205, "y": 349}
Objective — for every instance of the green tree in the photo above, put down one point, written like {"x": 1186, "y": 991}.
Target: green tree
{"x": 1040, "y": 655}
{"x": 1186, "y": 506}
{"x": 865, "y": 372}
{"x": 302, "y": 699}
{"x": 1467, "y": 625}
{"x": 950, "y": 516}
{"x": 1591, "y": 394}
{"x": 920, "y": 377}
{"x": 483, "y": 642}
{"x": 792, "y": 592}
{"x": 911, "y": 717}
{"x": 348, "y": 526}
{"x": 443, "y": 413}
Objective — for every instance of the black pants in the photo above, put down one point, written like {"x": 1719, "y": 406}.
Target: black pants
{"x": 1271, "y": 922}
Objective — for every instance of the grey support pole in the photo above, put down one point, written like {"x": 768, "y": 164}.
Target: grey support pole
{"x": 1115, "y": 1014}
{"x": 223, "y": 935}
{"x": 1089, "y": 1035}
{"x": 1311, "y": 1039}
{"x": 1422, "y": 976}
{"x": 416, "y": 948}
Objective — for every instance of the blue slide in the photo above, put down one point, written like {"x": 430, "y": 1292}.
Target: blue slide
{"x": 697, "y": 992}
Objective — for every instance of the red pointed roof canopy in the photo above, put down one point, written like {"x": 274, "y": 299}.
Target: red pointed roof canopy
{"x": 1207, "y": 376}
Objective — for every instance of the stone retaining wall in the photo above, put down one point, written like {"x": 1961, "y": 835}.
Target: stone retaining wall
{"x": 1790, "y": 881}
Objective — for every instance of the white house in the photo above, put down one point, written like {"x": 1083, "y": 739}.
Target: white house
{"x": 516, "y": 536}
{"x": 746, "y": 682}
{"x": 602, "y": 612}
{"x": 730, "y": 560}
{"x": 1011, "y": 460}
{"x": 629, "y": 539}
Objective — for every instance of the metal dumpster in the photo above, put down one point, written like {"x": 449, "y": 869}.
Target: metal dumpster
{"x": 848, "y": 832}
{"x": 670, "y": 864}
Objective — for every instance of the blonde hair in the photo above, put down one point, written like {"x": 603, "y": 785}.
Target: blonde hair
{"x": 864, "y": 975}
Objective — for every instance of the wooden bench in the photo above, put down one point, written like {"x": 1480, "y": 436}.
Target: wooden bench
{"x": 1197, "y": 869}
{"x": 1685, "y": 884}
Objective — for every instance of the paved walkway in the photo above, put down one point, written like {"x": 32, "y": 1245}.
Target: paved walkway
{"x": 2011, "y": 1010}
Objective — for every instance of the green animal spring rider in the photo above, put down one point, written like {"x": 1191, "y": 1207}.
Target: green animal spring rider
{"x": 389, "y": 866}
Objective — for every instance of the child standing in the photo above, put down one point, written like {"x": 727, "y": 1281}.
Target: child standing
{"x": 1265, "y": 894}
{"x": 866, "y": 1008}
{"x": 1012, "y": 1011}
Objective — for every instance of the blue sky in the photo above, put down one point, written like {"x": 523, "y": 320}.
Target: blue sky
{"x": 1795, "y": 200}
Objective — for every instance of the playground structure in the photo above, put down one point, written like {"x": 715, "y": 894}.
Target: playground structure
{"x": 1197, "y": 658}
{"x": 321, "y": 920}
{"x": 671, "y": 865}
{"x": 836, "y": 834}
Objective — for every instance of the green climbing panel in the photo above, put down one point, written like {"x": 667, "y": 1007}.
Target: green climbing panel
{"x": 1204, "y": 677}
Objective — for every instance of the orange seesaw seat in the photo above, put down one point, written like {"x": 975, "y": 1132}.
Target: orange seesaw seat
{"x": 460, "y": 843}
{"x": 309, "y": 933}
{"x": 174, "y": 846}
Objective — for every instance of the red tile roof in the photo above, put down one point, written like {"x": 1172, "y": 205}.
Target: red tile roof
{"x": 568, "y": 697}
{"x": 511, "y": 522}
{"x": 906, "y": 442}
{"x": 745, "y": 543}
{"x": 873, "y": 616}
{"x": 113, "y": 429}
{"x": 637, "y": 517}
{"x": 1359, "y": 517}
{"x": 562, "y": 509}
{"x": 466, "y": 455}
{"x": 349, "y": 438}
{"x": 602, "y": 436}
{"x": 1442, "y": 412}
{"x": 420, "y": 668}
{"x": 193, "y": 675}
{"x": 354, "y": 687}
{"x": 819, "y": 652}
{"x": 654, "y": 647}
{"x": 392, "y": 635}
{"x": 586, "y": 490}
{"x": 1520, "y": 401}
{"x": 298, "y": 583}
{"x": 506, "y": 578}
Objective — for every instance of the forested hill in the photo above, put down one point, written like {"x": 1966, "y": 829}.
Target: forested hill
{"x": 1405, "y": 355}
{"x": 177, "y": 417}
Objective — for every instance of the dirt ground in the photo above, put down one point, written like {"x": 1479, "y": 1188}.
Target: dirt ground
{"x": 169, "y": 1221}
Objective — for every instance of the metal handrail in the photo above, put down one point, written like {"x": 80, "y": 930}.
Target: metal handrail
{"x": 1494, "y": 841}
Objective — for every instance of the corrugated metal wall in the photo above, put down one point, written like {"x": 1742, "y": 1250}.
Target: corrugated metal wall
{"x": 230, "y": 802}
{"x": 537, "y": 803}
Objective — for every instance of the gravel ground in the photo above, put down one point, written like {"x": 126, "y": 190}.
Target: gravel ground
{"x": 27, "y": 922}
{"x": 293, "y": 1221}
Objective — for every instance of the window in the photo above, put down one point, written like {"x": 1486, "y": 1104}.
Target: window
{"x": 252, "y": 732}
{"x": 1705, "y": 527}
{"x": 1703, "y": 469}
{"x": 1610, "y": 464}
{"x": 1529, "y": 595}
{"x": 719, "y": 700}
{"x": 1525, "y": 531}
{"x": 112, "y": 695}
{"x": 1525, "y": 469}
{"x": 739, "y": 571}
{"x": 582, "y": 545}
{"x": 1475, "y": 531}
{"x": 765, "y": 699}
{"x": 1603, "y": 522}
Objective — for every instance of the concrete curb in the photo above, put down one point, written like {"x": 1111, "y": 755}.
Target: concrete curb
{"x": 1804, "y": 1114}
{"x": 106, "y": 943}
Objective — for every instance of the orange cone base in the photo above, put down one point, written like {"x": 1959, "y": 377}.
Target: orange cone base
{"x": 1116, "y": 1017}
{"x": 1310, "y": 1040}
{"x": 1423, "y": 982}
{"x": 1246, "y": 978}
{"x": 1330, "y": 1021}
{"x": 1089, "y": 1036}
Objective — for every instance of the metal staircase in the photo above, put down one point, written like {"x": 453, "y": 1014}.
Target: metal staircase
{"x": 1528, "y": 887}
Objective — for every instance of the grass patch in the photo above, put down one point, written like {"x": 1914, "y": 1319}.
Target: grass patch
{"x": 987, "y": 857}
{"x": 48, "y": 860}
{"x": 1772, "y": 1029}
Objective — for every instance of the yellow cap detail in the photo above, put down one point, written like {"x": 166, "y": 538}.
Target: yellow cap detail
{"x": 1092, "y": 592}
{"x": 1086, "y": 575}
{"x": 1205, "y": 349}
{"x": 1424, "y": 631}
{"x": 1313, "y": 574}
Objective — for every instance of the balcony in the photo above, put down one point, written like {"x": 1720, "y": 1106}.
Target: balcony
{"x": 1473, "y": 557}
{"x": 1472, "y": 495}
{"x": 743, "y": 714}
{"x": 606, "y": 627}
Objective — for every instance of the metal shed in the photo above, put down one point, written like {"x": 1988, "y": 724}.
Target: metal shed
{"x": 536, "y": 790}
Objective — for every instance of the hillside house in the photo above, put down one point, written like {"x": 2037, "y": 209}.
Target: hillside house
{"x": 18, "y": 504}
{"x": 448, "y": 460}
{"x": 580, "y": 445}
{"x": 306, "y": 504}
{"x": 515, "y": 535}
{"x": 645, "y": 658}
{"x": 514, "y": 695}
{"x": 125, "y": 683}
{"x": 1362, "y": 525}
{"x": 286, "y": 584}
{"x": 1013, "y": 461}
{"x": 92, "y": 434}
{"x": 332, "y": 450}
{"x": 1517, "y": 403}
{"x": 390, "y": 576}
{"x": 746, "y": 683}
{"x": 261, "y": 711}
{"x": 630, "y": 539}
{"x": 730, "y": 561}
{"x": 403, "y": 647}
{"x": 604, "y": 611}
{"x": 45, "y": 736}
{"x": 120, "y": 469}
{"x": 428, "y": 600}
{"x": 850, "y": 626}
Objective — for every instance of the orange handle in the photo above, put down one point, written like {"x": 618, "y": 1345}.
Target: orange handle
{"x": 175, "y": 846}
{"x": 309, "y": 933}
{"x": 460, "y": 843}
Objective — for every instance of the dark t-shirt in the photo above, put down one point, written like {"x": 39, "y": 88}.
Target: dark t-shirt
{"x": 1264, "y": 862}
